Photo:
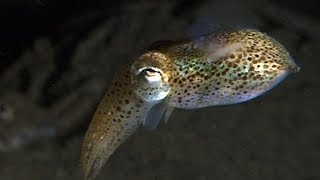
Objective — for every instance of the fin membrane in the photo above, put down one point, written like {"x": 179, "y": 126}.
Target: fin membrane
{"x": 158, "y": 112}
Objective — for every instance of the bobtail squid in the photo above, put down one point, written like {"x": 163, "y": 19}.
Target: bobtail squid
{"x": 217, "y": 69}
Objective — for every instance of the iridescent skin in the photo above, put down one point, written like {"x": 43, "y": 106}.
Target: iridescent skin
{"x": 218, "y": 69}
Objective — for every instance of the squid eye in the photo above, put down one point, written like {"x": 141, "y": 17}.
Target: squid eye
{"x": 150, "y": 75}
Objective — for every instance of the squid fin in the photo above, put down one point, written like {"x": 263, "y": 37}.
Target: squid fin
{"x": 158, "y": 112}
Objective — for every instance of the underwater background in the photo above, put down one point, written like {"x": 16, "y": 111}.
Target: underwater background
{"x": 58, "y": 58}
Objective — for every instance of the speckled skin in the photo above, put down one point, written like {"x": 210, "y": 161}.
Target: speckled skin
{"x": 217, "y": 69}
{"x": 226, "y": 68}
{"x": 119, "y": 113}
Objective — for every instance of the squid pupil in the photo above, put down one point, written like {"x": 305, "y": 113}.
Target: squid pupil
{"x": 148, "y": 71}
